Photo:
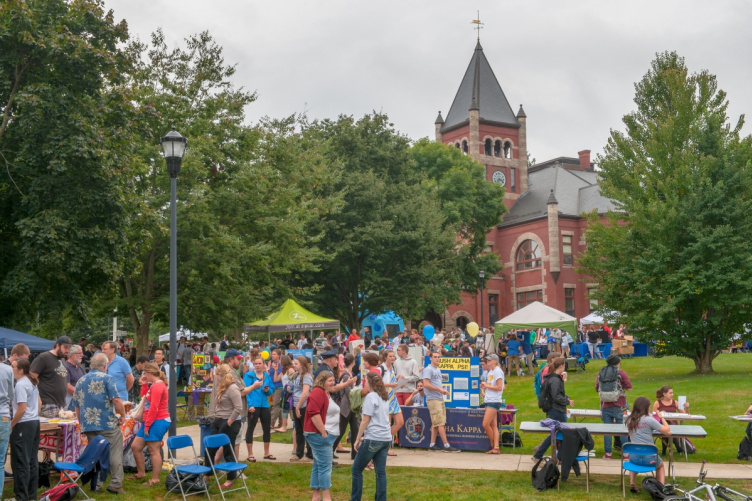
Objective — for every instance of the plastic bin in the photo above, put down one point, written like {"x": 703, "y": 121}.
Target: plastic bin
{"x": 205, "y": 432}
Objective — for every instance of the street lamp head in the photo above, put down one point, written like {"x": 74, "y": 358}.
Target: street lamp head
{"x": 482, "y": 274}
{"x": 173, "y": 148}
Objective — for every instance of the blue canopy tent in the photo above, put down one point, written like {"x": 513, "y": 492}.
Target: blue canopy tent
{"x": 9, "y": 338}
{"x": 380, "y": 323}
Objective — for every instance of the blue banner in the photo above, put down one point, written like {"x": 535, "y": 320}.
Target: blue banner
{"x": 461, "y": 378}
{"x": 301, "y": 353}
{"x": 464, "y": 428}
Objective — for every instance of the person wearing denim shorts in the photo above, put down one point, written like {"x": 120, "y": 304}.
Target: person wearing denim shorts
{"x": 492, "y": 388}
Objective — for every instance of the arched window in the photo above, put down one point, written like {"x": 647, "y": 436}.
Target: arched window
{"x": 457, "y": 145}
{"x": 464, "y": 146}
{"x": 528, "y": 255}
{"x": 487, "y": 148}
{"x": 507, "y": 150}
{"x": 497, "y": 148}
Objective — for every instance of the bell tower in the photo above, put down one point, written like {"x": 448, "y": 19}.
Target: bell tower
{"x": 481, "y": 123}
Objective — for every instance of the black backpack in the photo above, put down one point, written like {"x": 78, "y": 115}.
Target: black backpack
{"x": 653, "y": 487}
{"x": 545, "y": 400}
{"x": 745, "y": 447}
{"x": 511, "y": 439}
{"x": 546, "y": 475}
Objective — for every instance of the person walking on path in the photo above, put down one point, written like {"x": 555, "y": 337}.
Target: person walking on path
{"x": 100, "y": 411}
{"x": 612, "y": 410}
{"x": 553, "y": 388}
{"x": 374, "y": 438}
{"x": 434, "y": 392}
{"x": 493, "y": 386}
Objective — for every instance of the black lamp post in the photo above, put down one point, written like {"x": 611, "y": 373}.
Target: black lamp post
{"x": 173, "y": 148}
{"x": 482, "y": 275}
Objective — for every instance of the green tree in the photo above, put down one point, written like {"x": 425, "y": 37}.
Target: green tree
{"x": 675, "y": 259}
{"x": 245, "y": 194}
{"x": 403, "y": 240}
{"x": 64, "y": 149}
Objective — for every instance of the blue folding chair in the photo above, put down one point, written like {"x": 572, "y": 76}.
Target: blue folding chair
{"x": 640, "y": 450}
{"x": 184, "y": 405}
{"x": 581, "y": 458}
{"x": 188, "y": 471}
{"x": 66, "y": 469}
{"x": 217, "y": 441}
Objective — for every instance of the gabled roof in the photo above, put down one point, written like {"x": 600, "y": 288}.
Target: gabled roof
{"x": 576, "y": 191}
{"x": 480, "y": 90}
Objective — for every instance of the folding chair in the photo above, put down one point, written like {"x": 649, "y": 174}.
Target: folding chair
{"x": 188, "y": 471}
{"x": 184, "y": 405}
{"x": 220, "y": 440}
{"x": 640, "y": 450}
{"x": 583, "y": 457}
{"x": 66, "y": 469}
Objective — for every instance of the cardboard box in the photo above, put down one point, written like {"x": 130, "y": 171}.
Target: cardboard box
{"x": 626, "y": 350}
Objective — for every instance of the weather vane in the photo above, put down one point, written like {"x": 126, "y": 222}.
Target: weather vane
{"x": 478, "y": 25}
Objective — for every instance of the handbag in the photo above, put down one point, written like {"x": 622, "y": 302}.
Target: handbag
{"x": 138, "y": 412}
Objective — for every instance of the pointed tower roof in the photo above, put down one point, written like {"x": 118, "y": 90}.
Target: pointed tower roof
{"x": 481, "y": 91}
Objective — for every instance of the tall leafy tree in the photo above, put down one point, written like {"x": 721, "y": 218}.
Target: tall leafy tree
{"x": 64, "y": 147}
{"x": 676, "y": 258}
{"x": 401, "y": 240}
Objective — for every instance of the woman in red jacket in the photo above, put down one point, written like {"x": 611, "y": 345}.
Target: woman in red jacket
{"x": 156, "y": 422}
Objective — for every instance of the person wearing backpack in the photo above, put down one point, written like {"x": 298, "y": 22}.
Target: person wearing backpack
{"x": 611, "y": 384}
{"x": 553, "y": 401}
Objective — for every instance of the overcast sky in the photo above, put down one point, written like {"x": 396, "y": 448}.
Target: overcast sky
{"x": 572, "y": 64}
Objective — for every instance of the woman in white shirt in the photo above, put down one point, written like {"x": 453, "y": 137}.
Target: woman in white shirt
{"x": 24, "y": 432}
{"x": 374, "y": 437}
{"x": 492, "y": 386}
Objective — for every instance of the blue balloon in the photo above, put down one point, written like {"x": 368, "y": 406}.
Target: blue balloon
{"x": 428, "y": 332}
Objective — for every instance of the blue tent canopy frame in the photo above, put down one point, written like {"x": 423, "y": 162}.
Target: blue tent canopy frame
{"x": 9, "y": 338}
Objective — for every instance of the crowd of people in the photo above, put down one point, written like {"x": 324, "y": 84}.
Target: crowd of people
{"x": 361, "y": 390}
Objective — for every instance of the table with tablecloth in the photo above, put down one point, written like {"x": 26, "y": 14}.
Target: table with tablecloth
{"x": 67, "y": 441}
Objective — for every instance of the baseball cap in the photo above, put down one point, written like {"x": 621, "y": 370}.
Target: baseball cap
{"x": 329, "y": 354}
{"x": 63, "y": 340}
{"x": 232, "y": 353}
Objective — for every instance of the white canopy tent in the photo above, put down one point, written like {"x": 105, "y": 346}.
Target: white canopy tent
{"x": 537, "y": 315}
{"x": 597, "y": 318}
{"x": 164, "y": 338}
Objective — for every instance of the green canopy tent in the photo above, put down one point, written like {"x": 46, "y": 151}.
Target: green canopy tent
{"x": 291, "y": 317}
{"x": 537, "y": 315}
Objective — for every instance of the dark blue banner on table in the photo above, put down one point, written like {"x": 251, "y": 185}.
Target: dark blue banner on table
{"x": 464, "y": 428}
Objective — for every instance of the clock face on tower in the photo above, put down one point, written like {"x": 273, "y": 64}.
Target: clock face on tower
{"x": 499, "y": 177}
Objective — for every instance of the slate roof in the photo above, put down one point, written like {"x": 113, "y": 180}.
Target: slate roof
{"x": 576, "y": 191}
{"x": 480, "y": 90}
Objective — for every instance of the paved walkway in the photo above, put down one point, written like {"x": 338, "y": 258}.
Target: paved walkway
{"x": 422, "y": 458}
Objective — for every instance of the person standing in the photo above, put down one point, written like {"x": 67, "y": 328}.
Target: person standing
{"x": 612, "y": 410}
{"x": 100, "y": 411}
{"x": 374, "y": 438}
{"x": 49, "y": 369}
{"x": 301, "y": 387}
{"x": 346, "y": 415}
{"x": 6, "y": 401}
{"x": 493, "y": 387}
{"x": 134, "y": 394}
{"x": 156, "y": 424}
{"x": 227, "y": 418}
{"x": 317, "y": 436}
{"x": 24, "y": 434}
{"x": 118, "y": 368}
{"x": 74, "y": 365}
{"x": 554, "y": 387}
{"x": 407, "y": 369}
{"x": 275, "y": 372}
{"x": 390, "y": 382}
{"x": 527, "y": 349}
{"x": 187, "y": 355}
{"x": 260, "y": 383}
{"x": 19, "y": 351}
{"x": 160, "y": 361}
{"x": 434, "y": 393}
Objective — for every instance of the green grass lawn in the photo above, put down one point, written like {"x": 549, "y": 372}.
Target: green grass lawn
{"x": 284, "y": 481}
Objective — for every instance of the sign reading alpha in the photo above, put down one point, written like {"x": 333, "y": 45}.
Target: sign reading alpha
{"x": 454, "y": 364}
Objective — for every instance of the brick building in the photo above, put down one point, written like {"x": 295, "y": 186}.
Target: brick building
{"x": 543, "y": 229}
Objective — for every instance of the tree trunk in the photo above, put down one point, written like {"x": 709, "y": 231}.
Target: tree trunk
{"x": 704, "y": 361}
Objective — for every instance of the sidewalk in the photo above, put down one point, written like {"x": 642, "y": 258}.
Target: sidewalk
{"x": 422, "y": 458}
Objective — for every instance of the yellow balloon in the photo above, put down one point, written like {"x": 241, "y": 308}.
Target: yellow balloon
{"x": 264, "y": 355}
{"x": 472, "y": 329}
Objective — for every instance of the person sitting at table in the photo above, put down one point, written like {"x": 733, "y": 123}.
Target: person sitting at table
{"x": 417, "y": 398}
{"x": 156, "y": 424}
{"x": 100, "y": 411}
{"x": 24, "y": 432}
{"x": 640, "y": 426}
{"x": 665, "y": 403}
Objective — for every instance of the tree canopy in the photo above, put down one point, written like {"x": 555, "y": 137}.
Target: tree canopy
{"x": 675, "y": 259}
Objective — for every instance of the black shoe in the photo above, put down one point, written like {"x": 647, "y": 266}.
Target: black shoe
{"x": 334, "y": 456}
